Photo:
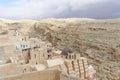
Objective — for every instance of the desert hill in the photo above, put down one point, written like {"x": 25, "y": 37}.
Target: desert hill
{"x": 98, "y": 40}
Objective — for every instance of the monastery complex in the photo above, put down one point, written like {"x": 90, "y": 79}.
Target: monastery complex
{"x": 26, "y": 58}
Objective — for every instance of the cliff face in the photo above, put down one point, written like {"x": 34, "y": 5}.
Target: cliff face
{"x": 98, "y": 40}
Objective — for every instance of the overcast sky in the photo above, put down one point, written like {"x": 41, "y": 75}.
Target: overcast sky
{"x": 41, "y": 9}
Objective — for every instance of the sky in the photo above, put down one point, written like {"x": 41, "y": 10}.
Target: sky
{"x": 42, "y": 9}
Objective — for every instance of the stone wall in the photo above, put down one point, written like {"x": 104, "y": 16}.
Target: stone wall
{"x": 43, "y": 75}
{"x": 13, "y": 69}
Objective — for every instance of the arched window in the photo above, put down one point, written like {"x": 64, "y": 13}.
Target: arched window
{"x": 74, "y": 56}
{"x": 35, "y": 55}
{"x": 69, "y": 56}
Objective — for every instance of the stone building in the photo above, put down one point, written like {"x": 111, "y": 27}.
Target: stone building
{"x": 38, "y": 56}
{"x": 78, "y": 68}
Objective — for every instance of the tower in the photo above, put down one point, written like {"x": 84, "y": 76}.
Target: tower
{"x": 12, "y": 31}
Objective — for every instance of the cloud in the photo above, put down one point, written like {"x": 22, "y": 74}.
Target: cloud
{"x": 40, "y": 9}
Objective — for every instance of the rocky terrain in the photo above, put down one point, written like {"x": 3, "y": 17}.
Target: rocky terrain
{"x": 98, "y": 40}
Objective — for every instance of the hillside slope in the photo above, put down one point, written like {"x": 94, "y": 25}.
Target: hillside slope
{"x": 98, "y": 40}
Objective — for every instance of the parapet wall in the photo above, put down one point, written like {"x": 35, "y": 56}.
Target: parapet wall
{"x": 43, "y": 75}
{"x": 12, "y": 69}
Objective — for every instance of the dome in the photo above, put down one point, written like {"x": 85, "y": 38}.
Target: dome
{"x": 65, "y": 51}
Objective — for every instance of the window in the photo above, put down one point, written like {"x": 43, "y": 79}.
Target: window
{"x": 35, "y": 55}
{"x": 23, "y": 46}
{"x": 69, "y": 56}
{"x": 17, "y": 48}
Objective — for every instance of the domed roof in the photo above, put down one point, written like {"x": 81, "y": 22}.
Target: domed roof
{"x": 65, "y": 51}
